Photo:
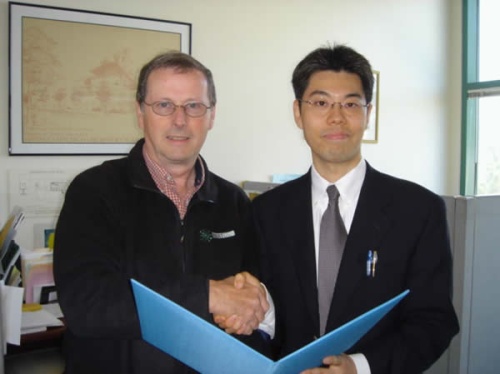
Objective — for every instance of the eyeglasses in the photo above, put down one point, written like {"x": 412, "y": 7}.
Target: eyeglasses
{"x": 167, "y": 108}
{"x": 349, "y": 107}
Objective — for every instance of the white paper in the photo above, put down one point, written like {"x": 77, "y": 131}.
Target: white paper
{"x": 11, "y": 308}
{"x": 39, "y": 192}
{"x": 39, "y": 318}
{"x": 54, "y": 309}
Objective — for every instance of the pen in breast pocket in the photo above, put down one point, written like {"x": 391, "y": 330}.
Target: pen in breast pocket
{"x": 369, "y": 262}
{"x": 374, "y": 262}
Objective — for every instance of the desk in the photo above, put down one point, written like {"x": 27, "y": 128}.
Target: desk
{"x": 39, "y": 353}
{"x": 41, "y": 361}
{"x": 51, "y": 338}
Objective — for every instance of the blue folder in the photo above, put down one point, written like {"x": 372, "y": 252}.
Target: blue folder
{"x": 209, "y": 350}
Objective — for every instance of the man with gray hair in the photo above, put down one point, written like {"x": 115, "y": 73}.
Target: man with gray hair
{"x": 162, "y": 217}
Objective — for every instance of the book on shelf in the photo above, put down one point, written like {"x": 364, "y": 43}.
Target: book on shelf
{"x": 9, "y": 250}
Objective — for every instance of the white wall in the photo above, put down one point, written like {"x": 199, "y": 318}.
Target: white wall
{"x": 252, "y": 48}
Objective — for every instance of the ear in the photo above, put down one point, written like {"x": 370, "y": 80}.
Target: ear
{"x": 297, "y": 115}
{"x": 212, "y": 117}
{"x": 140, "y": 115}
{"x": 368, "y": 114}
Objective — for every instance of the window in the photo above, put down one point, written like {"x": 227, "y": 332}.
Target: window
{"x": 481, "y": 98}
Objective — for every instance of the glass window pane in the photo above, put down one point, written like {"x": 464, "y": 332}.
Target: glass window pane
{"x": 489, "y": 30}
{"x": 488, "y": 160}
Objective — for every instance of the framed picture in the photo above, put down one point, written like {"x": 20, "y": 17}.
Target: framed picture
{"x": 371, "y": 132}
{"x": 73, "y": 77}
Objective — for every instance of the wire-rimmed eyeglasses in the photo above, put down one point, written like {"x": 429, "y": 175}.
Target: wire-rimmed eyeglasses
{"x": 348, "y": 106}
{"x": 167, "y": 108}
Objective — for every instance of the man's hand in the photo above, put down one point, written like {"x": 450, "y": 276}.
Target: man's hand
{"x": 239, "y": 303}
{"x": 342, "y": 364}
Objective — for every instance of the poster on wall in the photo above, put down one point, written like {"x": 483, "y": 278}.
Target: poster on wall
{"x": 39, "y": 192}
{"x": 73, "y": 77}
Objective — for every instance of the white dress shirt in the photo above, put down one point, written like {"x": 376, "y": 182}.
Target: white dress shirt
{"x": 268, "y": 325}
{"x": 349, "y": 187}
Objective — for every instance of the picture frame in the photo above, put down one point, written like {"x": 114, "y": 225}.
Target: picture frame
{"x": 371, "y": 132}
{"x": 72, "y": 77}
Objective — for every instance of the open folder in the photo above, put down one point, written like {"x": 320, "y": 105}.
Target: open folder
{"x": 209, "y": 350}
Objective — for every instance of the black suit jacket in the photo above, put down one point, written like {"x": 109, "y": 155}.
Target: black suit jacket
{"x": 406, "y": 225}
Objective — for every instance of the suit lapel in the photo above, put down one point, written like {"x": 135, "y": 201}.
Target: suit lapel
{"x": 301, "y": 245}
{"x": 369, "y": 225}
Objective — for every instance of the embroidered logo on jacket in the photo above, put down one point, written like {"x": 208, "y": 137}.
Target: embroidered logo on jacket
{"x": 207, "y": 235}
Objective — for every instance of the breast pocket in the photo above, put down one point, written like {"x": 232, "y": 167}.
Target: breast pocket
{"x": 219, "y": 253}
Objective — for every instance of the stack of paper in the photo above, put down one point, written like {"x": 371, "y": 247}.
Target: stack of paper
{"x": 39, "y": 320}
{"x": 37, "y": 271}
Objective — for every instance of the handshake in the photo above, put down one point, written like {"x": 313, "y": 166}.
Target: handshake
{"x": 238, "y": 303}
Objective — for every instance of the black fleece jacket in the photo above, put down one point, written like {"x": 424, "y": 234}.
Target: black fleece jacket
{"x": 115, "y": 225}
